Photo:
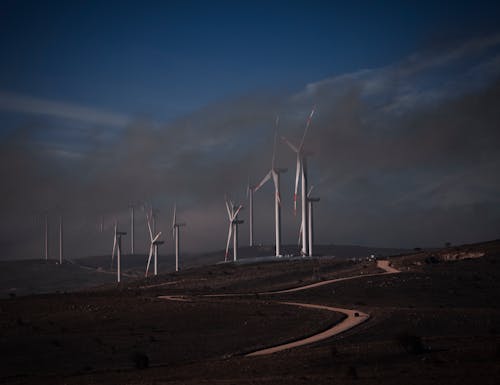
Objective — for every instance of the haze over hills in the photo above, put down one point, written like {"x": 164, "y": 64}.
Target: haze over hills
{"x": 22, "y": 277}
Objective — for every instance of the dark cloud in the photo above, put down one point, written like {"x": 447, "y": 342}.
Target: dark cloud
{"x": 398, "y": 160}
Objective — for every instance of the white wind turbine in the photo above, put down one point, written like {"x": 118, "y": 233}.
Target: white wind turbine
{"x": 301, "y": 173}
{"x": 310, "y": 201}
{"x": 250, "y": 191}
{"x": 60, "y": 239}
{"x": 132, "y": 228}
{"x": 46, "y": 237}
{"x": 274, "y": 173}
{"x": 117, "y": 246}
{"x": 175, "y": 234}
{"x": 153, "y": 248}
{"x": 232, "y": 212}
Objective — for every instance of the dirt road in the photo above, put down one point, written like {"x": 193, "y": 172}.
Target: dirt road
{"x": 354, "y": 317}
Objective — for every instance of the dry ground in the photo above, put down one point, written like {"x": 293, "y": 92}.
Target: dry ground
{"x": 437, "y": 322}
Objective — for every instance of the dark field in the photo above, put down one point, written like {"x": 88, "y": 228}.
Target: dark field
{"x": 438, "y": 321}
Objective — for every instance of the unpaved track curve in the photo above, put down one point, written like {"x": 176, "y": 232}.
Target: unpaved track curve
{"x": 382, "y": 264}
{"x": 348, "y": 323}
{"x": 354, "y": 317}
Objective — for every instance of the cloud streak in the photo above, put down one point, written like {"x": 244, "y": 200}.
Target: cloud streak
{"x": 29, "y": 105}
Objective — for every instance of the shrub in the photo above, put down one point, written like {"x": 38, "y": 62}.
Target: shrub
{"x": 352, "y": 372}
{"x": 410, "y": 343}
{"x": 141, "y": 360}
{"x": 334, "y": 351}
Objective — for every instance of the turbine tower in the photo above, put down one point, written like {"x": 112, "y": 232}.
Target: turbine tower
{"x": 117, "y": 246}
{"x": 175, "y": 234}
{"x": 153, "y": 248}
{"x": 250, "y": 192}
{"x": 232, "y": 212}
{"x": 301, "y": 173}
{"x": 46, "y": 244}
{"x": 310, "y": 201}
{"x": 274, "y": 173}
{"x": 60, "y": 239}
{"x": 132, "y": 228}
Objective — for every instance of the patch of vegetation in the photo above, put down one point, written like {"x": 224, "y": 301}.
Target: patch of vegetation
{"x": 352, "y": 372}
{"x": 410, "y": 343}
{"x": 140, "y": 359}
{"x": 334, "y": 352}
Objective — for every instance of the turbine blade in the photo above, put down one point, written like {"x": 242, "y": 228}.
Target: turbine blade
{"x": 174, "y": 220}
{"x": 297, "y": 175}
{"x": 300, "y": 234}
{"x": 307, "y": 127}
{"x": 275, "y": 180}
{"x": 149, "y": 228}
{"x": 156, "y": 238}
{"x": 263, "y": 181}
{"x": 273, "y": 161}
{"x": 230, "y": 233}
{"x": 294, "y": 149}
{"x": 229, "y": 211}
{"x": 310, "y": 190}
{"x": 276, "y": 186}
{"x": 113, "y": 253}
{"x": 149, "y": 258}
{"x": 237, "y": 211}
{"x": 114, "y": 246}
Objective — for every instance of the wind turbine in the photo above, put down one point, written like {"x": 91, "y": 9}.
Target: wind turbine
{"x": 46, "y": 236}
{"x": 232, "y": 212}
{"x": 310, "y": 201}
{"x": 250, "y": 192}
{"x": 132, "y": 228}
{"x": 153, "y": 248}
{"x": 117, "y": 246}
{"x": 60, "y": 239}
{"x": 154, "y": 217}
{"x": 274, "y": 173}
{"x": 301, "y": 173}
{"x": 175, "y": 233}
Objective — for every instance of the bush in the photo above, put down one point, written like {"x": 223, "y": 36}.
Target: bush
{"x": 141, "y": 360}
{"x": 352, "y": 372}
{"x": 410, "y": 343}
{"x": 334, "y": 351}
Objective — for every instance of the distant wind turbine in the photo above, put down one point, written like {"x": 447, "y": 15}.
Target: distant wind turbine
{"x": 274, "y": 173}
{"x": 175, "y": 233}
{"x": 301, "y": 172}
{"x": 46, "y": 244}
{"x": 60, "y": 239}
{"x": 117, "y": 246}
{"x": 232, "y": 212}
{"x": 250, "y": 192}
{"x": 132, "y": 228}
{"x": 310, "y": 201}
{"x": 153, "y": 248}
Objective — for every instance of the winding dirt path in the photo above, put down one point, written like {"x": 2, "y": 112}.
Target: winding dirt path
{"x": 353, "y": 317}
{"x": 382, "y": 264}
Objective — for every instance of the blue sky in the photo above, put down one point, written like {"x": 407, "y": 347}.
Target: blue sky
{"x": 166, "y": 59}
{"x": 107, "y": 103}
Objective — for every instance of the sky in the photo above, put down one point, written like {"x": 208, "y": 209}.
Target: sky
{"x": 108, "y": 104}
